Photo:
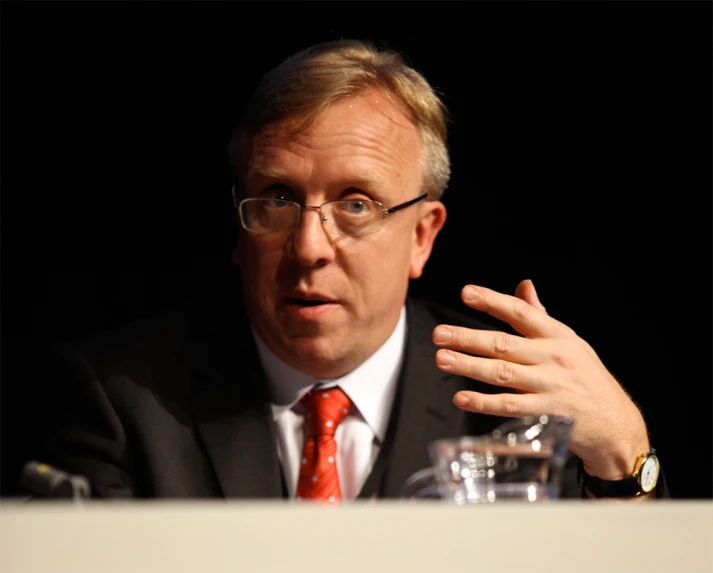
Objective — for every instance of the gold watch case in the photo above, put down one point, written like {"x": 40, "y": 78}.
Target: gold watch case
{"x": 646, "y": 472}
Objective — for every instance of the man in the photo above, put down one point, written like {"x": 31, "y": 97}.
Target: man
{"x": 340, "y": 162}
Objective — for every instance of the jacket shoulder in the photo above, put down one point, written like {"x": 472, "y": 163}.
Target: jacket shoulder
{"x": 436, "y": 313}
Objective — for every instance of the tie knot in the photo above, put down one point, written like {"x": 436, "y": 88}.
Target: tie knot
{"x": 325, "y": 410}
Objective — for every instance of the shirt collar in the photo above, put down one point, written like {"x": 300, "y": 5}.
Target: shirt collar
{"x": 371, "y": 386}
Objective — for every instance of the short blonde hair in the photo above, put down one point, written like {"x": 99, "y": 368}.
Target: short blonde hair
{"x": 308, "y": 82}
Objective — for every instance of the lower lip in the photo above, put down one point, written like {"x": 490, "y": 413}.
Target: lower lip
{"x": 310, "y": 312}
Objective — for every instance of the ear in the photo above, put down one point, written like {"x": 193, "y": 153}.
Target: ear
{"x": 431, "y": 221}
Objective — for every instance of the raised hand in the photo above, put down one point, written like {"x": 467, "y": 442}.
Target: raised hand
{"x": 553, "y": 371}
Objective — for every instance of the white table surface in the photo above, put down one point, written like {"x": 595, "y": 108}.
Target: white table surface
{"x": 211, "y": 536}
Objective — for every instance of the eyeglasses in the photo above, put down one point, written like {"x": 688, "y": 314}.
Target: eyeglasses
{"x": 353, "y": 218}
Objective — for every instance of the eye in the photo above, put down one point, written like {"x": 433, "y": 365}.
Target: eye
{"x": 278, "y": 195}
{"x": 357, "y": 207}
{"x": 278, "y": 202}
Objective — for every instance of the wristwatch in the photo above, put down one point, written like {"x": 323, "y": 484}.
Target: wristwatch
{"x": 642, "y": 481}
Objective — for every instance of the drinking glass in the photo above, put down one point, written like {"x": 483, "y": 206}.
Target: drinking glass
{"x": 521, "y": 460}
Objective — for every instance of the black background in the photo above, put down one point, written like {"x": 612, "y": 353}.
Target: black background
{"x": 581, "y": 155}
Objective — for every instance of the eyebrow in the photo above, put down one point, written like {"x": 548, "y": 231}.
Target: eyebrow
{"x": 270, "y": 172}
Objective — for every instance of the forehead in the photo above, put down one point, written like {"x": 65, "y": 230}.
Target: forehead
{"x": 364, "y": 133}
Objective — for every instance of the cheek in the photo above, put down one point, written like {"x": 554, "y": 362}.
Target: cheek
{"x": 259, "y": 261}
{"x": 380, "y": 268}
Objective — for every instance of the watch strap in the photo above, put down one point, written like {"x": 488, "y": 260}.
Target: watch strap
{"x": 626, "y": 487}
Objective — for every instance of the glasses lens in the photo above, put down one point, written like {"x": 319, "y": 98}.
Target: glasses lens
{"x": 353, "y": 218}
{"x": 269, "y": 215}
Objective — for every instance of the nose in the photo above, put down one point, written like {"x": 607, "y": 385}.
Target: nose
{"x": 309, "y": 244}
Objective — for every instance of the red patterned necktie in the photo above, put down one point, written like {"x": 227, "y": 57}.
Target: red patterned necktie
{"x": 324, "y": 411}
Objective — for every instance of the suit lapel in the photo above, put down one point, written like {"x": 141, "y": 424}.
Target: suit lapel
{"x": 239, "y": 440}
{"x": 423, "y": 409}
{"x": 231, "y": 410}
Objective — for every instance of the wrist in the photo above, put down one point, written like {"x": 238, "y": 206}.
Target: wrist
{"x": 641, "y": 482}
{"x": 618, "y": 461}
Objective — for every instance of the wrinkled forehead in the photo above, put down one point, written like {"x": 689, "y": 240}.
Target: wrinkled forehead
{"x": 367, "y": 122}
{"x": 371, "y": 106}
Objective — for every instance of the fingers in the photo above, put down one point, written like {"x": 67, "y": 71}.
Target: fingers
{"x": 491, "y": 343}
{"x": 525, "y": 318}
{"x": 526, "y": 291}
{"x": 490, "y": 371}
{"x": 510, "y": 405}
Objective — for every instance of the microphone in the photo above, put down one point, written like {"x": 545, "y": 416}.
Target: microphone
{"x": 43, "y": 480}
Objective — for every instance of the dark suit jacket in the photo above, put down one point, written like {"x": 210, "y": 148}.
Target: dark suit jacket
{"x": 176, "y": 407}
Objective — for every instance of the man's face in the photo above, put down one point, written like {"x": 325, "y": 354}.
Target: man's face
{"x": 363, "y": 147}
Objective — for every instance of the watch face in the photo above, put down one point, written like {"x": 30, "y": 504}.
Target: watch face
{"x": 649, "y": 473}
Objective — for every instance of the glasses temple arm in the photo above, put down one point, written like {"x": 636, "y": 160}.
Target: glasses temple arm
{"x": 404, "y": 205}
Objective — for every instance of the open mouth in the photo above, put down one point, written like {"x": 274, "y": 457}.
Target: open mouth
{"x": 305, "y": 302}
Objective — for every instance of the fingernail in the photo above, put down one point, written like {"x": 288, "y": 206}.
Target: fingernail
{"x": 460, "y": 400}
{"x": 470, "y": 294}
{"x": 445, "y": 358}
{"x": 442, "y": 334}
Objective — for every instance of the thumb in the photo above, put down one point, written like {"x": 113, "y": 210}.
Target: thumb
{"x": 526, "y": 291}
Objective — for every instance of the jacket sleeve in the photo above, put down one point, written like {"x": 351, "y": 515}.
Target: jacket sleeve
{"x": 80, "y": 431}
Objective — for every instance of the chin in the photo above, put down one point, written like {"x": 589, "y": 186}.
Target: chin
{"x": 321, "y": 356}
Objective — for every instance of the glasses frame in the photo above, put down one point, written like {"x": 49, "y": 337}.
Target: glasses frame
{"x": 384, "y": 212}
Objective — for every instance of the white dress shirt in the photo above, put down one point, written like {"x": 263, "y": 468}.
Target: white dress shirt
{"x": 371, "y": 388}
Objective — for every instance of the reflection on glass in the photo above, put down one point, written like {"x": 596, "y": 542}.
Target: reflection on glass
{"x": 521, "y": 460}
